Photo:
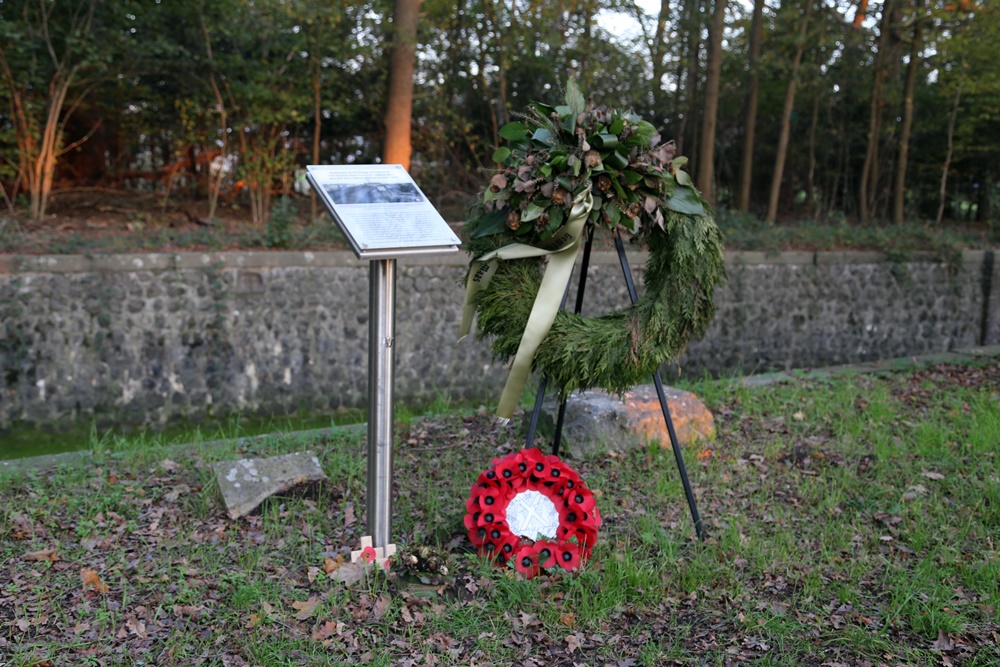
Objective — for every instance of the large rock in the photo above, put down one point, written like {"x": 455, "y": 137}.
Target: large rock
{"x": 596, "y": 420}
{"x": 247, "y": 482}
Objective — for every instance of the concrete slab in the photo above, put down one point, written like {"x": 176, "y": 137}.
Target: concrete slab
{"x": 246, "y": 483}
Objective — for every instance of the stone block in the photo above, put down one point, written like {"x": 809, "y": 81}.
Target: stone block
{"x": 246, "y": 483}
{"x": 596, "y": 420}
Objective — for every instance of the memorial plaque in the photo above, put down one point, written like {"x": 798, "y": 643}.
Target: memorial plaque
{"x": 381, "y": 210}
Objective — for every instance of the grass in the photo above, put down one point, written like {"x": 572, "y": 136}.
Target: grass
{"x": 747, "y": 232}
{"x": 850, "y": 521}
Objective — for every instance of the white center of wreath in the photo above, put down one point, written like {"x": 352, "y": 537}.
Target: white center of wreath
{"x": 530, "y": 514}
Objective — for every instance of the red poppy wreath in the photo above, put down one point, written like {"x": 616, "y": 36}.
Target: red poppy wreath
{"x": 534, "y": 511}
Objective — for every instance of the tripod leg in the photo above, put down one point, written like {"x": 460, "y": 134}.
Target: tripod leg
{"x": 535, "y": 413}
{"x": 675, "y": 445}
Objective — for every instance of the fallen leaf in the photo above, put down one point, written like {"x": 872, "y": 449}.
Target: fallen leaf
{"x": 568, "y": 619}
{"x": 381, "y": 606}
{"x": 324, "y": 631}
{"x": 349, "y": 573}
{"x": 175, "y": 493}
{"x": 932, "y": 475}
{"x": 305, "y": 609}
{"x": 349, "y": 517}
{"x": 50, "y": 555}
{"x": 23, "y": 625}
{"x": 799, "y": 416}
{"x": 704, "y": 455}
{"x": 188, "y": 611}
{"x": 330, "y": 565}
{"x": 943, "y": 643}
{"x": 312, "y": 573}
{"x": 136, "y": 627}
{"x": 268, "y": 610}
{"x": 574, "y": 642}
{"x": 233, "y": 660}
{"x": 93, "y": 581}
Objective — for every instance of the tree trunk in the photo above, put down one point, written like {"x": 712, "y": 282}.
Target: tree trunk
{"x": 39, "y": 140}
{"x": 749, "y": 132}
{"x": 899, "y": 192}
{"x": 786, "y": 117}
{"x": 658, "y": 53}
{"x": 706, "y": 156}
{"x": 317, "y": 119}
{"x": 691, "y": 80}
{"x": 942, "y": 192}
{"x": 811, "y": 197}
{"x": 399, "y": 99}
{"x": 984, "y": 204}
{"x": 859, "y": 16}
{"x": 869, "y": 173}
{"x": 215, "y": 183}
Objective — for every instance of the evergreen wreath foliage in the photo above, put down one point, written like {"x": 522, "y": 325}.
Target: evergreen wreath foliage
{"x": 553, "y": 156}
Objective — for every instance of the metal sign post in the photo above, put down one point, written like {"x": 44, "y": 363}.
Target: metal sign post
{"x": 381, "y": 337}
{"x": 383, "y": 215}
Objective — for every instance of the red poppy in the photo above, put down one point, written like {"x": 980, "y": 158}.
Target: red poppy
{"x": 546, "y": 553}
{"x": 477, "y": 536}
{"x": 489, "y": 517}
{"x": 580, "y": 498}
{"x": 526, "y": 561}
{"x": 508, "y": 472}
{"x": 368, "y": 554}
{"x": 568, "y": 555}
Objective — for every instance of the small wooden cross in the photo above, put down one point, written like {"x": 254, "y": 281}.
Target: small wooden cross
{"x": 382, "y": 554}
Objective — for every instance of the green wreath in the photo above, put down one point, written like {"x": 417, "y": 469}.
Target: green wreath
{"x": 565, "y": 168}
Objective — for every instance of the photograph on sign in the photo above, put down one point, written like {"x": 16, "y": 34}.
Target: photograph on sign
{"x": 381, "y": 210}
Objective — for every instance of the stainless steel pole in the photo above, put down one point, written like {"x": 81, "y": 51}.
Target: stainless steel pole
{"x": 381, "y": 340}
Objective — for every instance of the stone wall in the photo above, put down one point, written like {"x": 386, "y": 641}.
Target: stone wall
{"x": 156, "y": 337}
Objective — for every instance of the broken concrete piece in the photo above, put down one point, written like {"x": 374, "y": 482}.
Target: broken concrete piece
{"x": 247, "y": 482}
{"x": 596, "y": 420}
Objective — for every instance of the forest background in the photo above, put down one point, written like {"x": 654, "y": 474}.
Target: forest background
{"x": 827, "y": 111}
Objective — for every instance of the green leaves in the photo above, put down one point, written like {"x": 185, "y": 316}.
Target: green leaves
{"x": 514, "y": 131}
{"x": 686, "y": 200}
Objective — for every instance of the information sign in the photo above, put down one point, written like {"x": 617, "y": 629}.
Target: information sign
{"x": 381, "y": 210}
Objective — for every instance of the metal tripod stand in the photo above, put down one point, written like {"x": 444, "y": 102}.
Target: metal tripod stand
{"x": 536, "y": 411}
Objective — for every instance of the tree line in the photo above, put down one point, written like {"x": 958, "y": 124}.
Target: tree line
{"x": 810, "y": 109}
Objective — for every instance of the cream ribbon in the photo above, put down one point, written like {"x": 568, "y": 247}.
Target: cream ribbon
{"x": 561, "y": 248}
